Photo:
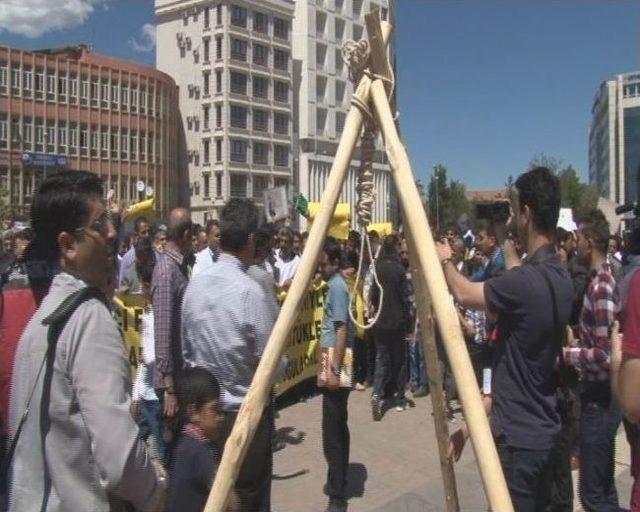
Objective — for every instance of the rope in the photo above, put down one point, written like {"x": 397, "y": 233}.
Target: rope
{"x": 356, "y": 56}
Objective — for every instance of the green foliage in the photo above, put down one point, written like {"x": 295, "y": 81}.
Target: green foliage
{"x": 451, "y": 200}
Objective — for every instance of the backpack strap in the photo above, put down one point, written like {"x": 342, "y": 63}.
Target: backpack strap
{"x": 56, "y": 322}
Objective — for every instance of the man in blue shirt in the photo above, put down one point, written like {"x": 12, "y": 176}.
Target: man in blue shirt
{"x": 337, "y": 332}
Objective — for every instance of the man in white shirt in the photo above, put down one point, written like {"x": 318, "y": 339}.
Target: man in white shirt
{"x": 208, "y": 256}
{"x": 287, "y": 260}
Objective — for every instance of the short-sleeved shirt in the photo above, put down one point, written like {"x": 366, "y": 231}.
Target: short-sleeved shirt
{"x": 524, "y": 382}
{"x": 336, "y": 309}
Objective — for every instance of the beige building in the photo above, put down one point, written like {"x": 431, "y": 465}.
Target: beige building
{"x": 232, "y": 62}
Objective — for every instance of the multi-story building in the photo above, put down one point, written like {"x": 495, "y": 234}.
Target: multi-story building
{"x": 73, "y": 108}
{"x": 323, "y": 93}
{"x": 614, "y": 138}
{"x": 232, "y": 62}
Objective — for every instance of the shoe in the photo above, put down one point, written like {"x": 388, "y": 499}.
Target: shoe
{"x": 360, "y": 386}
{"x": 420, "y": 392}
{"x": 337, "y": 505}
{"x": 401, "y": 404}
{"x": 376, "y": 408}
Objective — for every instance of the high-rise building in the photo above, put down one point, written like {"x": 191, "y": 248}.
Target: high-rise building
{"x": 614, "y": 138}
{"x": 71, "y": 108}
{"x": 232, "y": 62}
{"x": 322, "y": 98}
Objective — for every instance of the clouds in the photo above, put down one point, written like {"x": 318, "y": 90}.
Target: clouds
{"x": 32, "y": 18}
{"x": 146, "y": 41}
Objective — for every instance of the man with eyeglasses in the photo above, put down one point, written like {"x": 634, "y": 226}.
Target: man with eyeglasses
{"x": 78, "y": 446}
{"x": 208, "y": 256}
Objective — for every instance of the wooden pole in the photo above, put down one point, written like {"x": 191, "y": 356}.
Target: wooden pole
{"x": 425, "y": 314}
{"x": 416, "y": 223}
{"x": 254, "y": 403}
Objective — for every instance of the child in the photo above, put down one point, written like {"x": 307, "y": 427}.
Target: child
{"x": 195, "y": 462}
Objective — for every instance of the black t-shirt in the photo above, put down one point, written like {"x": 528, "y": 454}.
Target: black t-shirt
{"x": 524, "y": 381}
{"x": 194, "y": 468}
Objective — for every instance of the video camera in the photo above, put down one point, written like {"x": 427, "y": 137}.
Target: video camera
{"x": 497, "y": 212}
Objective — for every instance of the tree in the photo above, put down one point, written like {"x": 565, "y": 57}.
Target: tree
{"x": 446, "y": 199}
{"x": 580, "y": 197}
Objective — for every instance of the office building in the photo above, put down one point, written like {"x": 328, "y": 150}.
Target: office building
{"x": 71, "y": 108}
{"x": 614, "y": 138}
{"x": 232, "y": 63}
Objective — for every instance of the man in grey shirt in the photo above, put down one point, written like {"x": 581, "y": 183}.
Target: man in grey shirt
{"x": 226, "y": 322}
{"x": 78, "y": 448}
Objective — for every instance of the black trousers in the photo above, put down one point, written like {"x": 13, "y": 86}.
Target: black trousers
{"x": 336, "y": 440}
{"x": 254, "y": 480}
{"x": 390, "y": 376}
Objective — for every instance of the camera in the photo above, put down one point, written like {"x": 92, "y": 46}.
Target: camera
{"x": 497, "y": 212}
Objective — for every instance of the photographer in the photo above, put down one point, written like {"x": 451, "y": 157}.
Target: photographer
{"x": 523, "y": 407}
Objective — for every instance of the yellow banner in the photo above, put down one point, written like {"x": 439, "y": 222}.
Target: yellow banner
{"x": 128, "y": 313}
{"x": 339, "y": 227}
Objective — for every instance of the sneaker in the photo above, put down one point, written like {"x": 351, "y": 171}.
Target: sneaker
{"x": 360, "y": 386}
{"x": 401, "y": 404}
{"x": 376, "y": 408}
{"x": 337, "y": 505}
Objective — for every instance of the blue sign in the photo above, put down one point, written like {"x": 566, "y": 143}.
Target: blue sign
{"x": 44, "y": 160}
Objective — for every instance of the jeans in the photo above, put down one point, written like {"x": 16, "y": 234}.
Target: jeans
{"x": 390, "y": 376}
{"x": 527, "y": 475}
{"x": 416, "y": 363}
{"x": 599, "y": 421}
{"x": 253, "y": 484}
{"x": 336, "y": 440}
{"x": 150, "y": 424}
{"x": 360, "y": 360}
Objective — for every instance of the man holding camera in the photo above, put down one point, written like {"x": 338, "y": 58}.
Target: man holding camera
{"x": 531, "y": 304}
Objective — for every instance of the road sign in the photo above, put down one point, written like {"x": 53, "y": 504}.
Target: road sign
{"x": 44, "y": 160}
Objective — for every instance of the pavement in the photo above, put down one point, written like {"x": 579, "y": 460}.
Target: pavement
{"x": 394, "y": 464}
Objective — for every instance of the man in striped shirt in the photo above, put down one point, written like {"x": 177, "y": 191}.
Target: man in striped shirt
{"x": 600, "y": 416}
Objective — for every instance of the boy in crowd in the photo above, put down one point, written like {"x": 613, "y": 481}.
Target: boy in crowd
{"x": 196, "y": 458}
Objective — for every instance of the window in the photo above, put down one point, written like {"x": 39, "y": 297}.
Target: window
{"x": 321, "y": 88}
{"x": 281, "y": 91}
{"x": 3, "y": 132}
{"x": 104, "y": 97}
{"x": 51, "y": 138}
{"x": 238, "y": 185}
{"x": 238, "y": 151}
{"x": 238, "y": 49}
{"x": 206, "y": 183}
{"x": 218, "y": 150}
{"x": 219, "y": 184}
{"x": 51, "y": 87}
{"x": 207, "y": 20}
{"x": 219, "y": 14}
{"x": 281, "y": 155}
{"x": 218, "y": 116}
{"x": 260, "y": 87}
{"x": 281, "y": 123}
{"x": 206, "y": 143}
{"x": 321, "y": 55}
{"x": 238, "y": 16}
{"x": 340, "y": 118}
{"x": 27, "y": 82}
{"x": 39, "y": 135}
{"x": 143, "y": 101}
{"x": 340, "y": 87}
{"x": 115, "y": 95}
{"x": 339, "y": 62}
{"x": 281, "y": 182}
{"x": 62, "y": 87}
{"x": 73, "y": 88}
{"x": 124, "y": 144}
{"x": 280, "y": 28}
{"x": 321, "y": 24}
{"x": 260, "y": 153}
{"x": 280, "y": 59}
{"x": 62, "y": 135}
{"x": 125, "y": 97}
{"x": 238, "y": 116}
{"x": 27, "y": 133}
{"x": 134, "y": 100}
{"x": 205, "y": 117}
{"x": 238, "y": 83}
{"x": 94, "y": 141}
{"x": 321, "y": 120}
{"x": 133, "y": 143}
{"x": 3, "y": 80}
{"x": 84, "y": 92}
{"x": 205, "y": 83}
{"x": 357, "y": 7}
{"x": 114, "y": 144}
{"x": 206, "y": 41}
{"x": 15, "y": 132}
{"x": 15, "y": 81}
{"x": 104, "y": 142}
{"x": 218, "y": 81}
{"x": 94, "y": 93}
{"x": 339, "y": 29}
{"x": 260, "y": 184}
{"x": 260, "y": 54}
{"x": 384, "y": 14}
{"x": 84, "y": 137}
{"x": 357, "y": 32}
{"x": 260, "y": 22}
{"x": 218, "y": 48}
{"x": 40, "y": 85}
{"x": 143, "y": 146}
{"x": 260, "y": 120}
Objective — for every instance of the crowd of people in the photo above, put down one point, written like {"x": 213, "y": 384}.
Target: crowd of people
{"x": 550, "y": 316}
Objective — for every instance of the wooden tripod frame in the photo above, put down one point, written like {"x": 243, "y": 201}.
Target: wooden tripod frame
{"x": 430, "y": 279}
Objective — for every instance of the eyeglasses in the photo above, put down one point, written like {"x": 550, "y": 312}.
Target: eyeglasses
{"x": 100, "y": 225}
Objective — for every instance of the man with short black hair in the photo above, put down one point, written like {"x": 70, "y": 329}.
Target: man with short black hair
{"x": 208, "y": 256}
{"x": 600, "y": 415}
{"x": 287, "y": 260}
{"x": 167, "y": 287}
{"x": 487, "y": 242}
{"x": 532, "y": 303}
{"x": 78, "y": 447}
{"x": 226, "y": 333}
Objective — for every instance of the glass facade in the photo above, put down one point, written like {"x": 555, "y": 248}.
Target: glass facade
{"x": 631, "y": 153}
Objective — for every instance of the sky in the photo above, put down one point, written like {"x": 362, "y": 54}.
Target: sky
{"x": 484, "y": 85}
